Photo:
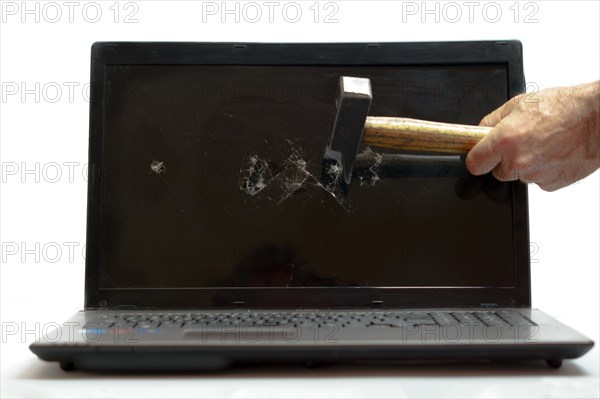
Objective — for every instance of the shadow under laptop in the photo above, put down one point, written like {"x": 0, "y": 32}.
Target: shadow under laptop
{"x": 473, "y": 368}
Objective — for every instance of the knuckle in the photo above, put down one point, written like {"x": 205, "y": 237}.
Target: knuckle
{"x": 506, "y": 140}
{"x": 506, "y": 171}
{"x": 488, "y": 120}
{"x": 529, "y": 171}
{"x": 499, "y": 138}
{"x": 500, "y": 174}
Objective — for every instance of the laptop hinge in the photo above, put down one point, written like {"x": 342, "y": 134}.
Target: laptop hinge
{"x": 126, "y": 307}
{"x": 489, "y": 305}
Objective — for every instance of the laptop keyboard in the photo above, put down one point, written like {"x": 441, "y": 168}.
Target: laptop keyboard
{"x": 300, "y": 319}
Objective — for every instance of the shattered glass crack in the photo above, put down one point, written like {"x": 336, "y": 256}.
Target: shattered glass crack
{"x": 158, "y": 167}
{"x": 256, "y": 176}
{"x": 283, "y": 180}
{"x": 370, "y": 176}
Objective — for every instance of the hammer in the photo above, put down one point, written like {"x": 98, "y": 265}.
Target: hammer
{"x": 352, "y": 126}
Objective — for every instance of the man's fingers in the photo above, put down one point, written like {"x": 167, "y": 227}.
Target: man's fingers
{"x": 504, "y": 172}
{"x": 485, "y": 155}
{"x": 493, "y": 118}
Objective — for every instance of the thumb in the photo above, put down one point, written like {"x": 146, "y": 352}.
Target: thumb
{"x": 493, "y": 118}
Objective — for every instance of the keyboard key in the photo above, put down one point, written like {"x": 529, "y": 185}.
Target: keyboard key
{"x": 343, "y": 319}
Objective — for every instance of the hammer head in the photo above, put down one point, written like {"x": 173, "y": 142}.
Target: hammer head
{"x": 353, "y": 103}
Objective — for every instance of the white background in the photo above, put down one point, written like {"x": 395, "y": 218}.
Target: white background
{"x": 43, "y": 214}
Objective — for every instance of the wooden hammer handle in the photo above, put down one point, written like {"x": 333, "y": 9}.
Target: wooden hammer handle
{"x": 418, "y": 135}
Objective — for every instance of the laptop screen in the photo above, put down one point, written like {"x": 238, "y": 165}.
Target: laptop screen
{"x": 212, "y": 178}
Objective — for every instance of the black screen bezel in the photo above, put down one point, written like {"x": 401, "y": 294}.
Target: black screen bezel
{"x": 508, "y": 53}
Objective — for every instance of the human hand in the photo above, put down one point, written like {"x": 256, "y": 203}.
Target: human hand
{"x": 551, "y": 138}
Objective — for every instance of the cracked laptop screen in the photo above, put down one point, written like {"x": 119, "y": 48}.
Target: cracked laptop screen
{"x": 212, "y": 178}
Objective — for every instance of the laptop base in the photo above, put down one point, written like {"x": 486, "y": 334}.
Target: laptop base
{"x": 95, "y": 344}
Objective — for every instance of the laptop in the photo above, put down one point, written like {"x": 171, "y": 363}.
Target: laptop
{"x": 211, "y": 240}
